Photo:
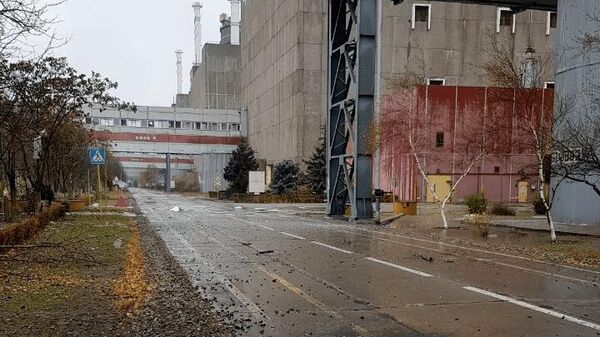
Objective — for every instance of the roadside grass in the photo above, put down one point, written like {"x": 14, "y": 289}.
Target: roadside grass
{"x": 580, "y": 252}
{"x": 69, "y": 270}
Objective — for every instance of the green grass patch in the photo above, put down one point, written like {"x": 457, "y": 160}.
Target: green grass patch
{"x": 87, "y": 255}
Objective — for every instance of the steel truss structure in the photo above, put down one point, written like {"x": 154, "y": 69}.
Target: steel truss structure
{"x": 352, "y": 61}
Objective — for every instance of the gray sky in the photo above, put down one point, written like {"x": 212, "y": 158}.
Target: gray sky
{"x": 133, "y": 42}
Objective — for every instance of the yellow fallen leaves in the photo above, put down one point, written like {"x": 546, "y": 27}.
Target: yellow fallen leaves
{"x": 131, "y": 289}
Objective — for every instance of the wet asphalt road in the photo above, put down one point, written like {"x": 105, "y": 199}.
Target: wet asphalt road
{"x": 273, "y": 273}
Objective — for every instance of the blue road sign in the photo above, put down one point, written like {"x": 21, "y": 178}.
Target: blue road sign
{"x": 97, "y": 156}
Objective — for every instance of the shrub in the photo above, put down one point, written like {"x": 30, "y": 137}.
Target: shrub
{"x": 479, "y": 225}
{"x": 500, "y": 209}
{"x": 19, "y": 232}
{"x": 538, "y": 206}
{"x": 476, "y": 203}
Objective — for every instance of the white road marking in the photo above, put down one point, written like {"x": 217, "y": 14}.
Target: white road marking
{"x": 293, "y": 236}
{"x": 332, "y": 247}
{"x": 410, "y": 270}
{"x": 535, "y": 308}
{"x": 268, "y": 228}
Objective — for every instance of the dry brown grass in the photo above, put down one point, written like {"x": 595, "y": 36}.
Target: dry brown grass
{"x": 132, "y": 289}
{"x": 479, "y": 224}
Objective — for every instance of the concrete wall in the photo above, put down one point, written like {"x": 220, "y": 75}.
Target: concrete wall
{"x": 577, "y": 76}
{"x": 210, "y": 168}
{"x": 215, "y": 83}
{"x": 284, "y": 63}
{"x": 284, "y": 75}
{"x": 458, "y": 42}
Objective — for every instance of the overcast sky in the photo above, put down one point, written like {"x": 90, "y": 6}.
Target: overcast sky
{"x": 133, "y": 42}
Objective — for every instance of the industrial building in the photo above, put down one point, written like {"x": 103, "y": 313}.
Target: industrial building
{"x": 284, "y": 63}
{"x": 145, "y": 137}
{"x": 215, "y": 74}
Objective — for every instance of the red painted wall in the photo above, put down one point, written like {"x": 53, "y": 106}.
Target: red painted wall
{"x": 465, "y": 115}
{"x": 165, "y": 138}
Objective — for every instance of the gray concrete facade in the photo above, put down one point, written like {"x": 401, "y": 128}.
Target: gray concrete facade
{"x": 578, "y": 78}
{"x": 284, "y": 60}
{"x": 215, "y": 83}
{"x": 284, "y": 76}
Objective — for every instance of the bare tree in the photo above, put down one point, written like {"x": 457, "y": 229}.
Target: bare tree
{"x": 21, "y": 20}
{"x": 533, "y": 124}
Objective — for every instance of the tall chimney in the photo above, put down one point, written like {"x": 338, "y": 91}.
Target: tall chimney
{"x": 198, "y": 31}
{"x": 235, "y": 21}
{"x": 178, "y": 53}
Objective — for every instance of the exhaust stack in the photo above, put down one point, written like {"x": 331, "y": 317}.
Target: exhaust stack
{"x": 179, "y": 53}
{"x": 235, "y": 21}
{"x": 198, "y": 31}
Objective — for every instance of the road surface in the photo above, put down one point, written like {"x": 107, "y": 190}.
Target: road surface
{"x": 274, "y": 273}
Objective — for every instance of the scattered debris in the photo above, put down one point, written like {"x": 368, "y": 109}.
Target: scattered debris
{"x": 238, "y": 208}
{"x": 175, "y": 209}
{"x": 247, "y": 244}
{"x": 95, "y": 205}
{"x": 262, "y": 252}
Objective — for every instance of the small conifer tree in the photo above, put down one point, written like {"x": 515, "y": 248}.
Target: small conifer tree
{"x": 241, "y": 162}
{"x": 286, "y": 177}
{"x": 316, "y": 173}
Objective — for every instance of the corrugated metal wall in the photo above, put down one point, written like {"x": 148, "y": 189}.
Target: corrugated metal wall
{"x": 456, "y": 111}
{"x": 210, "y": 168}
{"x": 577, "y": 82}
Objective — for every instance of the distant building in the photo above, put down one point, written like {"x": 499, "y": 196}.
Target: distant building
{"x": 215, "y": 76}
{"x": 284, "y": 63}
{"x": 144, "y": 137}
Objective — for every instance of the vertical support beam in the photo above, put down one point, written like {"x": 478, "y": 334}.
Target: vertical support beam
{"x": 168, "y": 173}
{"x": 351, "y": 104}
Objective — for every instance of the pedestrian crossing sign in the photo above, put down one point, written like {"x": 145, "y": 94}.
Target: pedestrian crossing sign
{"x": 97, "y": 156}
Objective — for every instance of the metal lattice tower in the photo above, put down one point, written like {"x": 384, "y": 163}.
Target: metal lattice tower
{"x": 352, "y": 61}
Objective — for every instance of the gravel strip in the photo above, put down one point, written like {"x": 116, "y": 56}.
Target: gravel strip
{"x": 175, "y": 307}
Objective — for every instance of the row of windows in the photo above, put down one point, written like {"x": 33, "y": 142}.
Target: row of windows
{"x": 162, "y": 124}
{"x": 504, "y": 17}
{"x": 442, "y": 81}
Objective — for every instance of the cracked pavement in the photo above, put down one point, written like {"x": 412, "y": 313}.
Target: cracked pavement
{"x": 273, "y": 273}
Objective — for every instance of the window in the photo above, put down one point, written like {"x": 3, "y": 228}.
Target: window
{"x": 551, "y": 22}
{"x": 88, "y": 120}
{"x": 171, "y": 124}
{"x": 436, "y": 81}
{"x": 150, "y": 124}
{"x": 107, "y": 121}
{"x": 421, "y": 13}
{"x": 123, "y": 122}
{"x": 134, "y": 123}
{"x": 235, "y": 127}
{"x": 224, "y": 126}
{"x": 505, "y": 18}
{"x": 178, "y": 125}
{"x": 439, "y": 139}
{"x": 215, "y": 126}
{"x": 548, "y": 85}
{"x": 197, "y": 125}
{"x": 187, "y": 125}
{"x": 496, "y": 169}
